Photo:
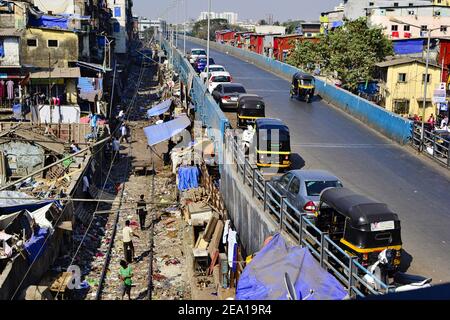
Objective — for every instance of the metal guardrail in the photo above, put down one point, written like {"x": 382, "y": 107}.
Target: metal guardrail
{"x": 347, "y": 269}
{"x": 431, "y": 145}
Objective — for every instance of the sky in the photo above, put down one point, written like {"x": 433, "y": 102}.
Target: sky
{"x": 282, "y": 10}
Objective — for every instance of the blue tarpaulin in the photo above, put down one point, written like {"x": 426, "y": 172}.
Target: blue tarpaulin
{"x": 159, "y": 109}
{"x": 36, "y": 245}
{"x": 188, "y": 178}
{"x": 49, "y": 21}
{"x": 368, "y": 88}
{"x": 2, "y": 50}
{"x": 162, "y": 132}
{"x": 408, "y": 46}
{"x": 10, "y": 203}
{"x": 263, "y": 277}
{"x": 336, "y": 24}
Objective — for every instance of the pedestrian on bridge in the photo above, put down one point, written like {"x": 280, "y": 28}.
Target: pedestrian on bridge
{"x": 142, "y": 211}
{"x": 125, "y": 275}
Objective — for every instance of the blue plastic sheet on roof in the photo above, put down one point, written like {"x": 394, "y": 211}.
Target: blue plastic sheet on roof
{"x": 369, "y": 88}
{"x": 263, "y": 277}
{"x": 35, "y": 247}
{"x": 159, "y": 109}
{"x": 2, "y": 50}
{"x": 336, "y": 24}
{"x": 49, "y": 22}
{"x": 10, "y": 203}
{"x": 162, "y": 132}
{"x": 409, "y": 46}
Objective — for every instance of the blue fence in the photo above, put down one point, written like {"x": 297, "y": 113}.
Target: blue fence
{"x": 206, "y": 108}
{"x": 388, "y": 123}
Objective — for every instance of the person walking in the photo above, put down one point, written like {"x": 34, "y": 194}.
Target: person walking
{"x": 93, "y": 122}
{"x": 128, "y": 247}
{"x": 123, "y": 133}
{"x": 431, "y": 121}
{"x": 86, "y": 186}
{"x": 115, "y": 144}
{"x": 125, "y": 275}
{"x": 142, "y": 211}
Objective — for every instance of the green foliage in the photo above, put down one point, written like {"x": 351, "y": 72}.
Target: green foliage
{"x": 349, "y": 53}
{"x": 292, "y": 25}
{"x": 200, "y": 29}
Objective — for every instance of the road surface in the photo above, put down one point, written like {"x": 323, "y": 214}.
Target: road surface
{"x": 326, "y": 138}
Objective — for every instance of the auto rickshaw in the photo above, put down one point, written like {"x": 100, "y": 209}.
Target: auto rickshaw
{"x": 250, "y": 108}
{"x": 361, "y": 226}
{"x": 272, "y": 144}
{"x": 303, "y": 86}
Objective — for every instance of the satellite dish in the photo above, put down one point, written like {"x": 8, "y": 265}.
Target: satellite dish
{"x": 292, "y": 295}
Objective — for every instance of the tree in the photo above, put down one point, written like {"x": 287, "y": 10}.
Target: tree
{"x": 200, "y": 29}
{"x": 349, "y": 53}
{"x": 262, "y": 22}
{"x": 292, "y": 25}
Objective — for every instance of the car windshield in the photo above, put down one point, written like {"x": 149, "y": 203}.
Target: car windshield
{"x": 217, "y": 69}
{"x": 221, "y": 79}
{"x": 314, "y": 188}
{"x": 232, "y": 89}
{"x": 198, "y": 52}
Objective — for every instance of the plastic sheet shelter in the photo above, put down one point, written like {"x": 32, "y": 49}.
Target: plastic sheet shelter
{"x": 263, "y": 277}
{"x": 48, "y": 21}
{"x": 162, "y": 132}
{"x": 10, "y": 202}
{"x": 159, "y": 109}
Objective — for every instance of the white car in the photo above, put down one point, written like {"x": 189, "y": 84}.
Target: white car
{"x": 217, "y": 78}
{"x": 195, "y": 53}
{"x": 212, "y": 68}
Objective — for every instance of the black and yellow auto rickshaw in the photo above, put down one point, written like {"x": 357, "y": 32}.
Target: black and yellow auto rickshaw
{"x": 250, "y": 108}
{"x": 272, "y": 144}
{"x": 361, "y": 226}
{"x": 303, "y": 86}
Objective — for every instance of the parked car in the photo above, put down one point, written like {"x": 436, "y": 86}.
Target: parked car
{"x": 217, "y": 78}
{"x": 201, "y": 63}
{"x": 227, "y": 94}
{"x": 212, "y": 68}
{"x": 194, "y": 53}
{"x": 302, "y": 188}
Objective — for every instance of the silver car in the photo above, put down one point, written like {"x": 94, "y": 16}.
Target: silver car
{"x": 302, "y": 188}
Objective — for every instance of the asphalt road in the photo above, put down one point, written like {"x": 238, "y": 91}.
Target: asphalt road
{"x": 368, "y": 163}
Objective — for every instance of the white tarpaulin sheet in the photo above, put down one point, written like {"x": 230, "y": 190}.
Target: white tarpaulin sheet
{"x": 162, "y": 132}
{"x": 40, "y": 218}
{"x": 63, "y": 114}
{"x": 159, "y": 109}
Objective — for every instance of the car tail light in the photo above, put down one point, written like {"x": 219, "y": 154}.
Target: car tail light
{"x": 230, "y": 79}
{"x": 226, "y": 98}
{"x": 286, "y": 157}
{"x": 310, "y": 207}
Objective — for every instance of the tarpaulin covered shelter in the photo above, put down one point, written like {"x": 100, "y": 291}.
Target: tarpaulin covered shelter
{"x": 162, "y": 132}
{"x": 48, "y": 21}
{"x": 10, "y": 202}
{"x": 159, "y": 109}
{"x": 263, "y": 277}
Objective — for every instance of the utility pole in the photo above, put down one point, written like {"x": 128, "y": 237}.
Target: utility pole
{"x": 185, "y": 22}
{"x": 50, "y": 86}
{"x": 207, "y": 43}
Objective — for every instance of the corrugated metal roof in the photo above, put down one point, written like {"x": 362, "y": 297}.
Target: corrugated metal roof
{"x": 44, "y": 141}
{"x": 404, "y": 60}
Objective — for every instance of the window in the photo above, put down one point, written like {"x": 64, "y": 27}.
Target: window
{"x": 32, "y": 42}
{"x": 285, "y": 179}
{"x": 294, "y": 187}
{"x": 52, "y": 43}
{"x": 315, "y": 188}
{"x": 423, "y": 28}
{"x": 394, "y": 27}
{"x": 443, "y": 28}
{"x": 411, "y": 12}
{"x": 406, "y": 28}
{"x": 428, "y": 78}
{"x": 401, "y": 77}
{"x": 371, "y": 4}
{"x": 117, "y": 11}
{"x": 401, "y": 107}
{"x": 411, "y": 4}
{"x": 437, "y": 13}
{"x": 395, "y": 4}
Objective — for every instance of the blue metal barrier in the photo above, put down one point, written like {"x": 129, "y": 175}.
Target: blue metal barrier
{"x": 388, "y": 123}
{"x": 206, "y": 108}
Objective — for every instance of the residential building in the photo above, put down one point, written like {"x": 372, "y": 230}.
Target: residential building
{"x": 354, "y": 9}
{"x": 267, "y": 29}
{"x": 401, "y": 82}
{"x": 427, "y": 17}
{"x": 310, "y": 29}
{"x": 284, "y": 44}
{"x": 330, "y": 20}
{"x": 122, "y": 24}
{"x": 145, "y": 24}
{"x": 231, "y": 17}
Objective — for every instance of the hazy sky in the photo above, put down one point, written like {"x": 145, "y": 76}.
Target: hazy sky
{"x": 282, "y": 10}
